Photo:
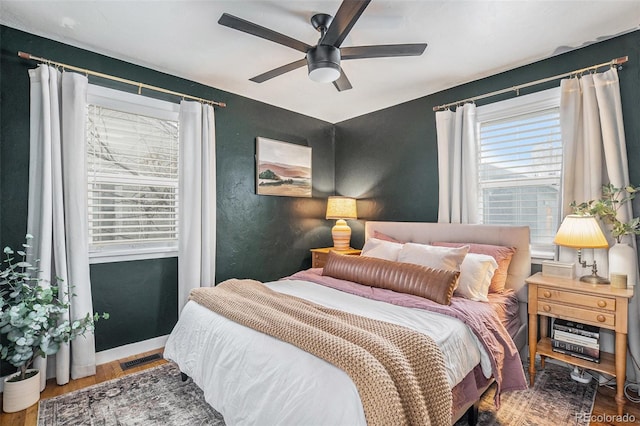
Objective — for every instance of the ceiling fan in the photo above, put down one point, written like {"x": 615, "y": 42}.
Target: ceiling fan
{"x": 323, "y": 59}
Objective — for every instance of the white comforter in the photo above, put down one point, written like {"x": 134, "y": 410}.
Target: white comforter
{"x": 255, "y": 379}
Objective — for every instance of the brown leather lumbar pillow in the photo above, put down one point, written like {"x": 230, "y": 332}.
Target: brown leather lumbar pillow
{"x": 433, "y": 284}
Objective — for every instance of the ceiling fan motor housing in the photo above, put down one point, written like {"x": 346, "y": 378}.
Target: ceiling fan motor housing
{"x": 323, "y": 62}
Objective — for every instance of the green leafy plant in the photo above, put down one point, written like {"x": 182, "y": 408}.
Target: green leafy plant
{"x": 32, "y": 314}
{"x": 606, "y": 208}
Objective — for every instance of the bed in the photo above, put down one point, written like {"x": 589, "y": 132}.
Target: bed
{"x": 254, "y": 378}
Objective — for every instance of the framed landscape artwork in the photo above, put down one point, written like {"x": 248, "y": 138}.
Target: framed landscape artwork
{"x": 282, "y": 168}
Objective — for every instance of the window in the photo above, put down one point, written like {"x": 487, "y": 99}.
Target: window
{"x": 520, "y": 166}
{"x": 132, "y": 165}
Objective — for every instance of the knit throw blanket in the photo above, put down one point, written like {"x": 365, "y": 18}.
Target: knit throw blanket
{"x": 399, "y": 373}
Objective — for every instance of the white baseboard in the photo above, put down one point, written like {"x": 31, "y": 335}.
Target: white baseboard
{"x": 104, "y": 357}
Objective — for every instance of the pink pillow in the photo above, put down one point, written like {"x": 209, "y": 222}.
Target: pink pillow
{"x": 501, "y": 254}
{"x": 384, "y": 237}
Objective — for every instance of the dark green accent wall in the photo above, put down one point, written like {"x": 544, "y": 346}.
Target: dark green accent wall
{"x": 259, "y": 237}
{"x": 389, "y": 157}
{"x": 140, "y": 296}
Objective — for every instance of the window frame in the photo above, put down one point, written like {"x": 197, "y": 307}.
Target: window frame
{"x": 140, "y": 105}
{"x": 509, "y": 108}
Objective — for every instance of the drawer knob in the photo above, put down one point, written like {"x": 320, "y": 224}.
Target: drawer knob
{"x": 546, "y": 308}
{"x": 602, "y": 303}
{"x": 601, "y": 318}
{"x": 547, "y": 294}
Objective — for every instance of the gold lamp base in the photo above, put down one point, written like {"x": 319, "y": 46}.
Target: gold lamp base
{"x": 594, "y": 279}
{"x": 341, "y": 234}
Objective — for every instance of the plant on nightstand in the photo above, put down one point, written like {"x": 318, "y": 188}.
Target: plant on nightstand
{"x": 606, "y": 208}
{"x": 622, "y": 257}
{"x": 32, "y": 324}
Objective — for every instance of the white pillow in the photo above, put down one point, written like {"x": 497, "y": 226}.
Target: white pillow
{"x": 381, "y": 249}
{"x": 433, "y": 256}
{"x": 476, "y": 273}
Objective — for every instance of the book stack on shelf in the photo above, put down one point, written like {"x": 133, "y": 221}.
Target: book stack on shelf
{"x": 576, "y": 339}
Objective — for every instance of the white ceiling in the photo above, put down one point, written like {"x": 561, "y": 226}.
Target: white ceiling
{"x": 467, "y": 40}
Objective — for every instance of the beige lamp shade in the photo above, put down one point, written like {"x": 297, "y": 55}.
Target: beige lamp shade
{"x": 580, "y": 232}
{"x": 341, "y": 208}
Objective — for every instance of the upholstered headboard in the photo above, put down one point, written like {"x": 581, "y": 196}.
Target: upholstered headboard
{"x": 502, "y": 235}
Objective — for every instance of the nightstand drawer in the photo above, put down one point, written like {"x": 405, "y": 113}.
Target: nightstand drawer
{"x": 318, "y": 260}
{"x": 588, "y": 301}
{"x": 576, "y": 314}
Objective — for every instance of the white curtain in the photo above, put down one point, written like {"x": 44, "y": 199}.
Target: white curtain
{"x": 197, "y": 189}
{"x": 57, "y": 212}
{"x": 595, "y": 153}
{"x": 457, "y": 165}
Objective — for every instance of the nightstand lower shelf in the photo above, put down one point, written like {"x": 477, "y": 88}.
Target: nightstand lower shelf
{"x": 606, "y": 365}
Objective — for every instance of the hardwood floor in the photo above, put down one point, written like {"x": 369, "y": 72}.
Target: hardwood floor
{"x": 605, "y": 410}
{"x": 603, "y": 414}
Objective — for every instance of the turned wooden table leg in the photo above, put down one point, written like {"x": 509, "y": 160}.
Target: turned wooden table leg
{"x": 544, "y": 327}
{"x": 621, "y": 370}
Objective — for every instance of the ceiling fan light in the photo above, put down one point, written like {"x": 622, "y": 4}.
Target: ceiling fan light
{"x": 324, "y": 74}
{"x": 324, "y": 63}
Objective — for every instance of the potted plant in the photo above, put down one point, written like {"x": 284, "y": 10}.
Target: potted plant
{"x": 606, "y": 208}
{"x": 622, "y": 257}
{"x": 31, "y": 325}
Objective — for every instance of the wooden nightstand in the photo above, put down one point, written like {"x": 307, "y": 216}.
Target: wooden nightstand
{"x": 319, "y": 255}
{"x": 595, "y": 304}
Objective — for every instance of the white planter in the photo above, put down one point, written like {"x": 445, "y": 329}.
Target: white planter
{"x": 623, "y": 260}
{"x": 20, "y": 395}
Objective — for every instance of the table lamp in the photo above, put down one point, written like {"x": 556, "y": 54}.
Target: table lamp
{"x": 581, "y": 232}
{"x": 341, "y": 208}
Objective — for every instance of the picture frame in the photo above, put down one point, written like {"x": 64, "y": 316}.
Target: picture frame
{"x": 282, "y": 168}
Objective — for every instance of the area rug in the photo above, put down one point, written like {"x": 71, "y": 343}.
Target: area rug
{"x": 156, "y": 396}
{"x": 554, "y": 400}
{"x": 159, "y": 397}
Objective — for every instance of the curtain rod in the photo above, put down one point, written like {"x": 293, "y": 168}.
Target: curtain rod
{"x": 617, "y": 61}
{"x": 140, "y": 86}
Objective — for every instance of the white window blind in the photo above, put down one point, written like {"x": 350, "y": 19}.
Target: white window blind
{"x": 520, "y": 167}
{"x": 132, "y": 163}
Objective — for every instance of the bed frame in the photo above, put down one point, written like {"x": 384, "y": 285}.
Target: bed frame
{"x": 509, "y": 236}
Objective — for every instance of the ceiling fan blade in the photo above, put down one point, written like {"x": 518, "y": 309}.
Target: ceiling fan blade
{"x": 382, "y": 51}
{"x": 262, "y": 32}
{"x": 344, "y": 19}
{"x": 342, "y": 83}
{"x": 279, "y": 71}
